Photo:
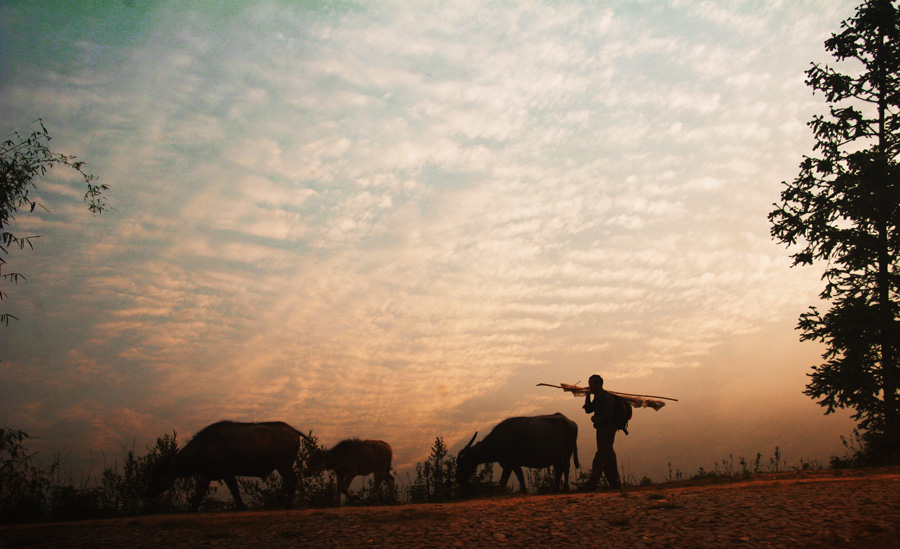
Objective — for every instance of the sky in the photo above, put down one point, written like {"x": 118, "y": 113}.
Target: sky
{"x": 391, "y": 220}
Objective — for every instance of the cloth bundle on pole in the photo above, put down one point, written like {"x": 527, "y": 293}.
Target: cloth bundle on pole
{"x": 638, "y": 401}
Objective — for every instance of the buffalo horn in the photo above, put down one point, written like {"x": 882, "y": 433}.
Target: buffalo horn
{"x": 473, "y": 439}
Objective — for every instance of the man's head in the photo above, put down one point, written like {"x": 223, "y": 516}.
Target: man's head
{"x": 595, "y": 382}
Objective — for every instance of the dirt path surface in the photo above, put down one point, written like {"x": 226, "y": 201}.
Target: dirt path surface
{"x": 801, "y": 509}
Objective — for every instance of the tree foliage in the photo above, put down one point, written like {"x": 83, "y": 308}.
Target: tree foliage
{"x": 843, "y": 209}
{"x": 22, "y": 160}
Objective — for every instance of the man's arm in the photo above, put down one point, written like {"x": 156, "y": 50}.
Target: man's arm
{"x": 588, "y": 405}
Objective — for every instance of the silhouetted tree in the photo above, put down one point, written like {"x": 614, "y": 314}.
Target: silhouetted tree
{"x": 844, "y": 209}
{"x": 22, "y": 160}
{"x": 434, "y": 478}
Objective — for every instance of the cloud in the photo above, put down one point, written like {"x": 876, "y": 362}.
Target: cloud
{"x": 347, "y": 219}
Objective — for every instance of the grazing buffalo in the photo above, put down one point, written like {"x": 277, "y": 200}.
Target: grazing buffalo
{"x": 227, "y": 449}
{"x": 536, "y": 442}
{"x": 351, "y": 458}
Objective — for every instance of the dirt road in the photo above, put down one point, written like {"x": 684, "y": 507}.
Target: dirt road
{"x": 801, "y": 509}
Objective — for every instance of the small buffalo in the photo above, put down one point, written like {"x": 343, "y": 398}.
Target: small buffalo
{"x": 351, "y": 458}
{"x": 228, "y": 449}
{"x": 516, "y": 442}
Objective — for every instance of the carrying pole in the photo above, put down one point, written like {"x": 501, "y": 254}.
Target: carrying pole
{"x": 573, "y": 388}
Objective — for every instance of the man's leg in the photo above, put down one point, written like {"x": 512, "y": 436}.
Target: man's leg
{"x": 611, "y": 468}
{"x": 603, "y": 459}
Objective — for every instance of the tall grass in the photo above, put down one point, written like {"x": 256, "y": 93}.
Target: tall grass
{"x": 726, "y": 468}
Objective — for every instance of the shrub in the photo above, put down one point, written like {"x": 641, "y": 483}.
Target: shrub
{"x": 870, "y": 449}
{"x": 24, "y": 486}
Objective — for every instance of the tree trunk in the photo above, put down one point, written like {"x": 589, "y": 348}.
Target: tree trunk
{"x": 888, "y": 366}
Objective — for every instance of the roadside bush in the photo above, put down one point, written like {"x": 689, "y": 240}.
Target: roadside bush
{"x": 539, "y": 481}
{"x": 872, "y": 448}
{"x": 122, "y": 494}
{"x": 31, "y": 492}
{"x": 24, "y": 486}
{"x": 68, "y": 502}
{"x": 483, "y": 483}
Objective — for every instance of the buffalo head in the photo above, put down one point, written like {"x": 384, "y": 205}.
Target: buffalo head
{"x": 316, "y": 463}
{"x": 162, "y": 478}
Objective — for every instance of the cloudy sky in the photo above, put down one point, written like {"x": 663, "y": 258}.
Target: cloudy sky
{"x": 392, "y": 219}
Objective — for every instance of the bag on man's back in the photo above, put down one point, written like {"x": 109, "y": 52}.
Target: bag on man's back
{"x": 622, "y": 411}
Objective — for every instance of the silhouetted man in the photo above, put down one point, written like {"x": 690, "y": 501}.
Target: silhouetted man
{"x": 602, "y": 407}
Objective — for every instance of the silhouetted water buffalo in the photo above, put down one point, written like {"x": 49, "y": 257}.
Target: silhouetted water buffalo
{"x": 537, "y": 442}
{"x": 351, "y": 458}
{"x": 227, "y": 449}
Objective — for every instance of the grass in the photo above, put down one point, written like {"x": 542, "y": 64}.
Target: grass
{"x": 729, "y": 468}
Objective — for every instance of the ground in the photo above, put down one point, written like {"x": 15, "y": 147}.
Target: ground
{"x": 834, "y": 508}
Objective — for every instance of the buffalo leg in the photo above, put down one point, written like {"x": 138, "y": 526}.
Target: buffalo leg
{"x": 379, "y": 478}
{"x": 557, "y": 476}
{"x": 202, "y": 488}
{"x": 232, "y": 484}
{"x": 521, "y": 477}
{"x": 343, "y": 487}
{"x": 504, "y": 478}
{"x": 289, "y": 478}
{"x": 560, "y": 471}
{"x": 376, "y": 485}
{"x": 391, "y": 485}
